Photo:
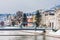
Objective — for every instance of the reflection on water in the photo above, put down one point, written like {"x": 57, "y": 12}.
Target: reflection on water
{"x": 20, "y": 38}
{"x": 39, "y": 37}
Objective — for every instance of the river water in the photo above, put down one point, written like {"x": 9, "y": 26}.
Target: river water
{"x": 21, "y": 35}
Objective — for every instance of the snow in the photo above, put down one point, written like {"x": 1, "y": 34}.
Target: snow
{"x": 58, "y": 32}
{"x": 52, "y": 33}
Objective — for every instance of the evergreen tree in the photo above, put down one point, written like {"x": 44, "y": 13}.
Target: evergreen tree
{"x": 38, "y": 18}
{"x": 24, "y": 19}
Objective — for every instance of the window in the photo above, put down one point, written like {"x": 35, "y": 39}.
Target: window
{"x": 51, "y": 24}
{"x": 51, "y": 14}
{"x": 46, "y": 14}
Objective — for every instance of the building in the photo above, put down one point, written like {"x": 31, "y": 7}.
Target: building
{"x": 51, "y": 18}
{"x": 30, "y": 18}
{"x": 48, "y": 18}
{"x": 57, "y": 19}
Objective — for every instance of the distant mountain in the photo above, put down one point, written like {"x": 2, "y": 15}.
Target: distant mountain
{"x": 52, "y": 10}
{"x": 4, "y": 16}
{"x": 58, "y": 6}
{"x": 55, "y": 7}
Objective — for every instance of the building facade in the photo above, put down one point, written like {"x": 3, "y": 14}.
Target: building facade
{"x": 51, "y": 18}
{"x": 48, "y": 18}
{"x": 57, "y": 19}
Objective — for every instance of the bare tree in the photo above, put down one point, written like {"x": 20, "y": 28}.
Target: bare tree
{"x": 19, "y": 13}
{"x": 19, "y": 16}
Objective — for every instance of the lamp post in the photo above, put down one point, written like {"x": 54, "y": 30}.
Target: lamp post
{"x": 44, "y": 32}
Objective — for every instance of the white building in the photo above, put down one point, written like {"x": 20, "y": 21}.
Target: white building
{"x": 57, "y": 19}
{"x": 48, "y": 18}
{"x": 51, "y": 18}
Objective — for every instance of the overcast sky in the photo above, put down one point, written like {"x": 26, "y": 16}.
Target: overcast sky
{"x": 12, "y": 6}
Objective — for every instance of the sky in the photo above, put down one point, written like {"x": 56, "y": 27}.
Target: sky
{"x": 12, "y": 6}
